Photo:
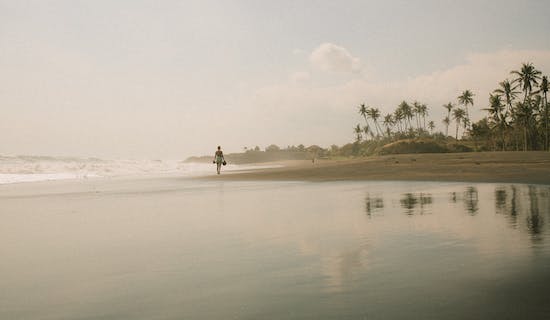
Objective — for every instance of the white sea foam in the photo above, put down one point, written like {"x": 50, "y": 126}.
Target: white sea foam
{"x": 32, "y": 177}
{"x": 14, "y": 169}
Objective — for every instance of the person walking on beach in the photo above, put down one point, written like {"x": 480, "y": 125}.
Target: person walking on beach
{"x": 219, "y": 159}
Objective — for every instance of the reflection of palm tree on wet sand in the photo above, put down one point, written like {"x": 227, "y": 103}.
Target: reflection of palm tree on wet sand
{"x": 527, "y": 204}
{"x": 372, "y": 204}
{"x": 410, "y": 201}
{"x": 471, "y": 200}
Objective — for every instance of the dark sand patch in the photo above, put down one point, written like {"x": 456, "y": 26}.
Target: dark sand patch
{"x": 511, "y": 167}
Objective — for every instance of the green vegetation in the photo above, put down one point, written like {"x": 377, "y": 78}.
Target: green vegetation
{"x": 422, "y": 146}
{"x": 511, "y": 124}
{"x": 514, "y": 122}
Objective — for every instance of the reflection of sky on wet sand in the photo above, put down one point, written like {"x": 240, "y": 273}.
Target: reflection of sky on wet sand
{"x": 274, "y": 245}
{"x": 331, "y": 228}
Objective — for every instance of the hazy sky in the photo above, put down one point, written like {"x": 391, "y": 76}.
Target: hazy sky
{"x": 169, "y": 79}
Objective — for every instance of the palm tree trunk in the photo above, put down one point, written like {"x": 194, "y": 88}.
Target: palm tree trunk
{"x": 448, "y": 117}
{"x": 517, "y": 139}
{"x": 546, "y": 121}
{"x": 503, "y": 141}
{"x": 381, "y": 130}
{"x": 366, "y": 120}
{"x": 524, "y": 138}
{"x": 456, "y": 136}
{"x": 546, "y": 116}
{"x": 502, "y": 136}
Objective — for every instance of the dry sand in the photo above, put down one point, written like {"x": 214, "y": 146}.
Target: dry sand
{"x": 510, "y": 167}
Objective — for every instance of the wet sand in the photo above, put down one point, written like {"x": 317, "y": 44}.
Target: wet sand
{"x": 509, "y": 167}
{"x": 174, "y": 247}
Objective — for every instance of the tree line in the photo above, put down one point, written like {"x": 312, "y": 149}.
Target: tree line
{"x": 517, "y": 119}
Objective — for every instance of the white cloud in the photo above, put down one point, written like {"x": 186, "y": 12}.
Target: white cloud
{"x": 481, "y": 73}
{"x": 327, "y": 112}
{"x": 300, "y": 77}
{"x": 332, "y": 58}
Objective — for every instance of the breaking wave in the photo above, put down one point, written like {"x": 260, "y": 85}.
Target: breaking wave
{"x": 15, "y": 169}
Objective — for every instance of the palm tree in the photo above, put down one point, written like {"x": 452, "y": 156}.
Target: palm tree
{"x": 537, "y": 129}
{"x": 388, "y": 123}
{"x": 449, "y": 106}
{"x": 374, "y": 114}
{"x": 407, "y": 113}
{"x": 543, "y": 88}
{"x": 417, "y": 110}
{"x": 495, "y": 110}
{"x": 398, "y": 117}
{"x": 515, "y": 121}
{"x": 465, "y": 124}
{"x": 357, "y": 130}
{"x": 431, "y": 126}
{"x": 446, "y": 122}
{"x": 527, "y": 76}
{"x": 465, "y": 99}
{"x": 423, "y": 113}
{"x": 508, "y": 91}
{"x": 524, "y": 118}
{"x": 458, "y": 116}
{"x": 363, "y": 111}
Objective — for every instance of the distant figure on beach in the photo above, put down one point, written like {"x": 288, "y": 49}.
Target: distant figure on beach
{"x": 219, "y": 159}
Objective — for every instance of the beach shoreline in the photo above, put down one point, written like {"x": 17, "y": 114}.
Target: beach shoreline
{"x": 531, "y": 167}
{"x": 477, "y": 167}
{"x": 160, "y": 235}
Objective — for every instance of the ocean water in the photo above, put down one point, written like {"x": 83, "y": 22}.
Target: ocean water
{"x": 15, "y": 169}
{"x": 172, "y": 248}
